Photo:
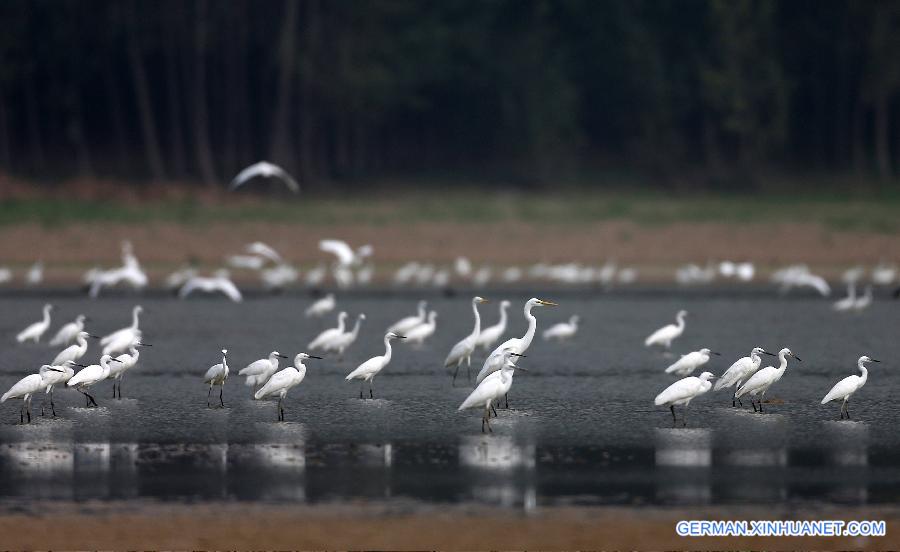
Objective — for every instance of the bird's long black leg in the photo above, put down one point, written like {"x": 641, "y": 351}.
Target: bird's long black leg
{"x": 455, "y": 372}
{"x": 684, "y": 417}
{"x": 114, "y": 389}
{"x": 208, "y": 394}
{"x": 672, "y": 408}
{"x": 52, "y": 406}
{"x": 91, "y": 398}
{"x": 28, "y": 412}
{"x": 848, "y": 409}
{"x": 506, "y": 397}
{"x": 42, "y": 409}
{"x": 494, "y": 410}
{"x": 221, "y": 392}
{"x": 361, "y": 384}
{"x": 482, "y": 423}
{"x": 22, "y": 415}
{"x": 371, "y": 394}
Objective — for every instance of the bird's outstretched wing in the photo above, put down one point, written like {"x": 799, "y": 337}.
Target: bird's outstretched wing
{"x": 339, "y": 249}
{"x": 265, "y": 169}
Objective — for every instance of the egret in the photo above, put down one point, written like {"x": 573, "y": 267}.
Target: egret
{"x": 884, "y": 274}
{"x": 126, "y": 361}
{"x": 177, "y": 279}
{"x": 265, "y": 250}
{"x": 133, "y": 332}
{"x": 328, "y": 335}
{"x": 278, "y": 277}
{"x": 26, "y": 387}
{"x": 89, "y": 375}
{"x": 219, "y": 282}
{"x": 686, "y": 365}
{"x": 665, "y": 335}
{"x": 52, "y": 379}
{"x": 34, "y": 331}
{"x": 129, "y": 273}
{"x": 761, "y": 381}
{"x": 322, "y": 306}
{"x": 563, "y": 330}
{"x": 264, "y": 169}
{"x": 462, "y": 351}
{"x": 405, "y": 324}
{"x": 863, "y": 301}
{"x": 282, "y": 382}
{"x": 847, "y": 302}
{"x": 367, "y": 371}
{"x": 259, "y": 371}
{"x": 216, "y": 375}
{"x": 35, "y": 274}
{"x": 740, "y": 371}
{"x": 343, "y": 341}
{"x": 682, "y": 392}
{"x": 344, "y": 254}
{"x": 492, "y": 334}
{"x": 422, "y": 332}
{"x": 122, "y": 343}
{"x": 845, "y": 388}
{"x": 517, "y": 345}
{"x": 67, "y": 334}
{"x": 73, "y": 352}
{"x": 493, "y": 387}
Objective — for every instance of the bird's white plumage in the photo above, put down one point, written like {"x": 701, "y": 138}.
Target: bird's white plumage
{"x": 463, "y": 350}
{"x": 516, "y": 345}
{"x": 67, "y": 334}
{"x": 321, "y": 306}
{"x": 490, "y": 335}
{"x": 761, "y": 381}
{"x": 422, "y": 332}
{"x": 220, "y": 282}
{"x": 341, "y": 342}
{"x": 665, "y": 335}
{"x": 264, "y": 169}
{"x": 683, "y": 391}
{"x": 92, "y": 374}
{"x": 562, "y": 330}
{"x": 742, "y": 369}
{"x": 325, "y": 337}
{"x": 403, "y": 325}
{"x": 686, "y": 365}
{"x": 34, "y": 331}
{"x": 72, "y": 352}
{"x": 845, "y": 388}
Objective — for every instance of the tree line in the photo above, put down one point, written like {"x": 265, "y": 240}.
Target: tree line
{"x": 519, "y": 90}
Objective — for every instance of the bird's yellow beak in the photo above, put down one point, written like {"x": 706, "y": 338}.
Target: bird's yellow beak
{"x": 548, "y": 303}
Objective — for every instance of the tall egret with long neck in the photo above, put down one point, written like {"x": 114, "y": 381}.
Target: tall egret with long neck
{"x": 462, "y": 351}
{"x": 63, "y": 374}
{"x": 686, "y": 365}
{"x": 216, "y": 375}
{"x": 845, "y": 388}
{"x": 26, "y": 387}
{"x": 34, "y": 331}
{"x": 740, "y": 371}
{"x": 328, "y": 335}
{"x": 67, "y": 334}
{"x": 517, "y": 345}
{"x": 422, "y": 332}
{"x": 492, "y": 334}
{"x": 493, "y": 387}
{"x": 282, "y": 382}
{"x": 340, "y": 343}
{"x": 73, "y": 352}
{"x": 405, "y": 324}
{"x": 761, "y": 381}
{"x": 259, "y": 371}
{"x": 127, "y": 361}
{"x": 132, "y": 332}
{"x": 367, "y": 371}
{"x": 665, "y": 335}
{"x": 89, "y": 375}
{"x": 682, "y": 392}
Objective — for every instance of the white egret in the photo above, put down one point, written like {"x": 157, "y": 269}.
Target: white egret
{"x": 493, "y": 387}
{"x": 89, "y": 375}
{"x": 73, "y": 352}
{"x": 422, "y": 332}
{"x": 216, "y": 375}
{"x": 665, "y": 335}
{"x": 264, "y": 169}
{"x": 405, "y": 324}
{"x": 127, "y": 361}
{"x": 26, "y": 387}
{"x": 463, "y": 268}
{"x": 517, "y": 345}
{"x": 847, "y": 302}
{"x": 740, "y": 371}
{"x": 367, "y": 371}
{"x": 132, "y": 331}
{"x": 562, "y": 330}
{"x": 35, "y": 274}
{"x": 259, "y": 371}
{"x": 864, "y": 300}
{"x": 845, "y": 388}
{"x": 462, "y": 351}
{"x": 245, "y": 262}
{"x": 345, "y": 255}
{"x": 67, "y": 334}
{"x": 219, "y": 282}
{"x": 282, "y": 382}
{"x": 34, "y": 331}
{"x": 686, "y": 365}
{"x": 177, "y": 279}
{"x": 328, "y": 335}
{"x": 343, "y": 341}
{"x": 761, "y": 381}
{"x": 278, "y": 277}
{"x": 322, "y": 306}
{"x": 884, "y": 274}
{"x": 6, "y": 275}
{"x": 490, "y": 335}
{"x": 682, "y": 392}
{"x": 265, "y": 250}
{"x": 54, "y": 378}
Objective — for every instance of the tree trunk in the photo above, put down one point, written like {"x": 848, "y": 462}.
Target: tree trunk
{"x": 201, "y": 116}
{"x": 145, "y": 106}
{"x": 881, "y": 129}
{"x": 281, "y": 147}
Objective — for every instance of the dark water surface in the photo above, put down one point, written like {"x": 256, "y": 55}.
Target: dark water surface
{"x": 582, "y": 428}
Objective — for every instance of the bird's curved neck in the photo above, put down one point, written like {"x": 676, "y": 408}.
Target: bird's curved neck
{"x": 532, "y": 326}
{"x": 273, "y": 359}
{"x": 782, "y": 357}
{"x": 356, "y": 326}
{"x": 477, "y": 329}
{"x": 134, "y": 319}
{"x": 422, "y": 311}
{"x": 503, "y": 315}
{"x": 387, "y": 349}
{"x": 864, "y": 372}
{"x": 46, "y": 314}
{"x": 679, "y": 320}
{"x": 341, "y": 324}
{"x": 755, "y": 358}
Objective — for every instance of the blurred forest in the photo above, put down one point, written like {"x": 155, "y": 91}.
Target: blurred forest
{"x": 521, "y": 91}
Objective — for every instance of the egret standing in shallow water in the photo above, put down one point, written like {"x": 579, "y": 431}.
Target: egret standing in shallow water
{"x": 216, "y": 375}
{"x": 73, "y": 352}
{"x": 282, "y": 382}
{"x": 422, "y": 332}
{"x": 490, "y": 335}
{"x": 740, "y": 371}
{"x": 517, "y": 345}
{"x": 26, "y": 388}
{"x": 67, "y": 334}
{"x": 686, "y": 365}
{"x": 405, "y": 324}
{"x": 34, "y": 331}
{"x": 324, "y": 338}
{"x": 367, "y": 371}
{"x": 340, "y": 343}
{"x": 127, "y": 361}
{"x": 259, "y": 371}
{"x": 462, "y": 351}
{"x": 52, "y": 379}
{"x": 492, "y": 388}
{"x": 665, "y": 335}
{"x": 89, "y": 375}
{"x": 128, "y": 334}
{"x": 761, "y": 381}
{"x": 682, "y": 392}
{"x": 845, "y": 388}
{"x": 562, "y": 330}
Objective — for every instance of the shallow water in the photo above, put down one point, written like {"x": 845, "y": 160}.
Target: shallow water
{"x": 582, "y": 428}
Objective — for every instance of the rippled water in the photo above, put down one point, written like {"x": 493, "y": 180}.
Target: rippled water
{"x": 582, "y": 428}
